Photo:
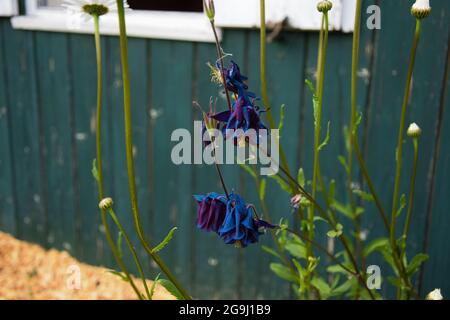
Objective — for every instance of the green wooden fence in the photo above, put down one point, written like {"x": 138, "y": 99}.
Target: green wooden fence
{"x": 47, "y": 105}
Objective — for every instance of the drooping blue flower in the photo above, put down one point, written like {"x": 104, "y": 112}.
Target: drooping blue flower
{"x": 241, "y": 227}
{"x": 235, "y": 80}
{"x": 211, "y": 211}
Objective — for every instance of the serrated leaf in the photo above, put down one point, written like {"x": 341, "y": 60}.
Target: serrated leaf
{"x": 94, "y": 169}
{"x": 402, "y": 205}
{"x": 416, "y": 262}
{"x": 283, "y": 272}
{"x": 166, "y": 240}
{"x": 262, "y": 189}
{"x": 169, "y": 286}
{"x": 363, "y": 195}
{"x": 375, "y": 245}
{"x": 301, "y": 177}
{"x": 327, "y": 138}
{"x": 249, "y": 170}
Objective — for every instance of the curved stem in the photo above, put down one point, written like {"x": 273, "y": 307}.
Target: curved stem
{"x": 99, "y": 162}
{"x": 132, "y": 250}
{"x": 399, "y": 150}
{"x": 129, "y": 154}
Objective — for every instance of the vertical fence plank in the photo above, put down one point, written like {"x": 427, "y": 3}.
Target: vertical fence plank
{"x": 171, "y": 104}
{"x": 7, "y": 195}
{"x": 54, "y": 98}
{"x": 25, "y": 134}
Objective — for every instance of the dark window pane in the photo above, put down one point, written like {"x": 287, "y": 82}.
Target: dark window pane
{"x": 167, "y": 5}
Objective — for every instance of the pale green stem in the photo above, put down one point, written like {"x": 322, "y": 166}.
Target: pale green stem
{"x": 399, "y": 150}
{"x": 263, "y": 79}
{"x": 318, "y": 118}
{"x": 99, "y": 163}
{"x": 132, "y": 250}
{"x": 352, "y": 133}
{"x": 129, "y": 154}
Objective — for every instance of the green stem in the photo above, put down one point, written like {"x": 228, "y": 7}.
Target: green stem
{"x": 129, "y": 153}
{"x": 399, "y": 149}
{"x": 263, "y": 79}
{"x": 133, "y": 252}
{"x": 99, "y": 161}
{"x": 352, "y": 133}
{"x": 318, "y": 117}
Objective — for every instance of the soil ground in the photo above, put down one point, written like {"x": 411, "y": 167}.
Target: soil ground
{"x": 27, "y": 271}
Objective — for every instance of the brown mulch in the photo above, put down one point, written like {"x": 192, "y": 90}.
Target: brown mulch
{"x": 27, "y": 271}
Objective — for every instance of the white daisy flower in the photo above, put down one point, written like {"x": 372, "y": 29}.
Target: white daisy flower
{"x": 421, "y": 9}
{"x": 87, "y": 8}
{"x": 422, "y": 4}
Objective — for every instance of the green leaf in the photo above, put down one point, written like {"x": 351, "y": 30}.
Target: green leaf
{"x": 281, "y": 122}
{"x": 262, "y": 189}
{"x": 357, "y": 122}
{"x": 249, "y": 170}
{"x": 283, "y": 272}
{"x": 301, "y": 177}
{"x": 346, "y": 210}
{"x": 298, "y": 250}
{"x": 322, "y": 286}
{"x": 327, "y": 138}
{"x": 171, "y": 288}
{"x": 166, "y": 240}
{"x": 271, "y": 251}
{"x": 315, "y": 99}
{"x": 337, "y": 269}
{"x": 374, "y": 245}
{"x": 94, "y": 169}
{"x": 402, "y": 205}
{"x": 363, "y": 195}
{"x": 283, "y": 185}
{"x": 415, "y": 263}
{"x": 118, "y": 274}
{"x": 343, "y": 162}
{"x": 153, "y": 287}
{"x": 343, "y": 288}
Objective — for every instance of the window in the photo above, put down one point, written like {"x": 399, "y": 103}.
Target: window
{"x": 184, "y": 19}
{"x": 8, "y": 8}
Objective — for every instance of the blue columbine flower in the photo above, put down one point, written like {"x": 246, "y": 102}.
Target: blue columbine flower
{"x": 240, "y": 226}
{"x": 211, "y": 211}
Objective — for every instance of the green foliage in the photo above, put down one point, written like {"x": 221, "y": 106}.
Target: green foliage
{"x": 168, "y": 285}
{"x": 153, "y": 287}
{"x": 95, "y": 170}
{"x": 166, "y": 240}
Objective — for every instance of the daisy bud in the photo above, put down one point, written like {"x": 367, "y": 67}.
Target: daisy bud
{"x": 435, "y": 295}
{"x": 414, "y": 131}
{"x": 210, "y": 11}
{"x": 106, "y": 204}
{"x": 324, "y": 6}
{"x": 421, "y": 9}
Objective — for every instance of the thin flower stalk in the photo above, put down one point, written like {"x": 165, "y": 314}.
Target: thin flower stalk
{"x": 399, "y": 150}
{"x": 99, "y": 161}
{"x": 129, "y": 154}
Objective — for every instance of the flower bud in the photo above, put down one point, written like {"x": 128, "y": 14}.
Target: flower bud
{"x": 414, "y": 131}
{"x": 324, "y": 6}
{"x": 435, "y": 295}
{"x": 106, "y": 204}
{"x": 421, "y": 9}
{"x": 210, "y": 11}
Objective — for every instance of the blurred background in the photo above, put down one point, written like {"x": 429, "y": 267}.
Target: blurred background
{"x": 47, "y": 128}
